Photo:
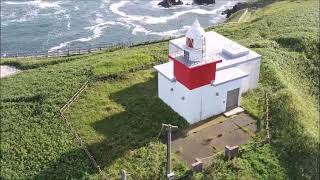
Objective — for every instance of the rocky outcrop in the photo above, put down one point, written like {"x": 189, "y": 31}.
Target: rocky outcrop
{"x": 235, "y": 8}
{"x": 169, "y": 3}
{"x": 243, "y": 5}
{"x": 200, "y": 2}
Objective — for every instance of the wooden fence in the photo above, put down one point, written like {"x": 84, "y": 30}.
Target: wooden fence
{"x": 80, "y": 50}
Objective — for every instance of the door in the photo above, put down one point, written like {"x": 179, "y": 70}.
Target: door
{"x": 232, "y": 99}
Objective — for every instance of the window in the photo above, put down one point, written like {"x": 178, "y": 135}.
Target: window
{"x": 186, "y": 55}
{"x": 189, "y": 42}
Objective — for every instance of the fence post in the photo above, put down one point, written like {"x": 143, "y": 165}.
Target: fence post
{"x": 68, "y": 52}
{"x": 267, "y": 118}
{"x": 123, "y": 175}
{"x": 89, "y": 49}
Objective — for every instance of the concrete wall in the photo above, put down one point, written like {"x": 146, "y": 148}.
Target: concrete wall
{"x": 216, "y": 98}
{"x": 197, "y": 104}
{"x": 253, "y": 70}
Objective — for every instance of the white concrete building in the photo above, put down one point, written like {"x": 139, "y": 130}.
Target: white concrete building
{"x": 206, "y": 74}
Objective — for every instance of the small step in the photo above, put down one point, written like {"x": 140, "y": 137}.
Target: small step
{"x": 234, "y": 111}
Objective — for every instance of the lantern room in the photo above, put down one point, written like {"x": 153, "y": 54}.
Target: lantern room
{"x": 192, "y": 67}
{"x": 196, "y": 36}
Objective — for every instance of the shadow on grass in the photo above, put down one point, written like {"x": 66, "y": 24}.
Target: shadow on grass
{"x": 131, "y": 129}
{"x": 73, "y": 164}
{"x": 138, "y": 125}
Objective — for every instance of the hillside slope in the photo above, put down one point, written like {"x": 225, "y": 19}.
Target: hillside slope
{"x": 119, "y": 115}
{"x": 286, "y": 34}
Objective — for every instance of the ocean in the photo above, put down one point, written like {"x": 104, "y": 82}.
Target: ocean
{"x": 51, "y": 25}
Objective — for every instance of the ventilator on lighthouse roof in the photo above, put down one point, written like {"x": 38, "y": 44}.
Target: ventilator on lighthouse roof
{"x": 195, "y": 31}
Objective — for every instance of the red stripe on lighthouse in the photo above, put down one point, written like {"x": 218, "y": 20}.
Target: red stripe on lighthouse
{"x": 194, "y": 77}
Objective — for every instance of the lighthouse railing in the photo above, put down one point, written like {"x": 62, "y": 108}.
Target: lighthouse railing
{"x": 183, "y": 55}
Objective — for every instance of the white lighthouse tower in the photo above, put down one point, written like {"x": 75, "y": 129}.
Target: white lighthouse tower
{"x": 206, "y": 74}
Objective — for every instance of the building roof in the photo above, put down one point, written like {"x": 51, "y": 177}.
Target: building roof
{"x": 228, "y": 51}
{"x": 166, "y": 70}
{"x": 222, "y": 76}
{"x": 195, "y": 31}
{"x": 227, "y": 75}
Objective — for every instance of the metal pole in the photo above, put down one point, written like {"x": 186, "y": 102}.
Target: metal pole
{"x": 123, "y": 175}
{"x": 169, "y": 151}
{"x": 170, "y": 175}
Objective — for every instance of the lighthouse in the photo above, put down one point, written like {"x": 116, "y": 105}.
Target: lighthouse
{"x": 195, "y": 43}
{"x": 206, "y": 74}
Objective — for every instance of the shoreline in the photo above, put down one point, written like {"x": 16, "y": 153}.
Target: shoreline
{"x": 109, "y": 47}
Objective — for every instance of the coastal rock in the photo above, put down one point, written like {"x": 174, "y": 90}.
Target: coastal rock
{"x": 200, "y": 2}
{"x": 243, "y": 5}
{"x": 169, "y": 3}
{"x": 235, "y": 8}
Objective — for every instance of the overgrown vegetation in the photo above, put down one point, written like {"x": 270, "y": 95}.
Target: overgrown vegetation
{"x": 260, "y": 163}
{"x": 119, "y": 115}
{"x": 286, "y": 35}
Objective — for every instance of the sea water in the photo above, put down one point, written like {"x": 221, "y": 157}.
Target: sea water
{"x": 49, "y": 25}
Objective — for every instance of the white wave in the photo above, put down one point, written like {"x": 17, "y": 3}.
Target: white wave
{"x": 69, "y": 21}
{"x": 97, "y": 31}
{"x": 136, "y": 22}
{"x": 115, "y": 8}
{"x": 138, "y": 28}
{"x": 39, "y": 3}
{"x": 175, "y": 32}
{"x": 34, "y": 11}
{"x": 60, "y": 11}
{"x": 68, "y": 25}
{"x": 155, "y": 3}
{"x": 103, "y": 4}
{"x": 61, "y": 45}
{"x": 26, "y": 17}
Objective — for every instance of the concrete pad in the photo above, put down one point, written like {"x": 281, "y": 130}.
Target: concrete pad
{"x": 205, "y": 140}
{"x": 216, "y": 130}
{"x": 243, "y": 119}
{"x": 252, "y": 127}
{"x": 204, "y": 124}
{"x": 234, "y": 111}
{"x": 189, "y": 149}
{"x": 237, "y": 137}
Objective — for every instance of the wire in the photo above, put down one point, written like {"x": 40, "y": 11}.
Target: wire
{"x": 160, "y": 132}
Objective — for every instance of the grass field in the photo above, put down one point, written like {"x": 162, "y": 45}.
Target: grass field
{"x": 119, "y": 115}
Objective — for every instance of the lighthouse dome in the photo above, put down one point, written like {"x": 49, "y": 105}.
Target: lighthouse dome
{"x": 195, "y": 31}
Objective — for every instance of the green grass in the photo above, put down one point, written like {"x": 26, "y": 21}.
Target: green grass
{"x": 286, "y": 35}
{"x": 234, "y": 18}
{"x": 119, "y": 115}
{"x": 116, "y": 117}
{"x": 260, "y": 163}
